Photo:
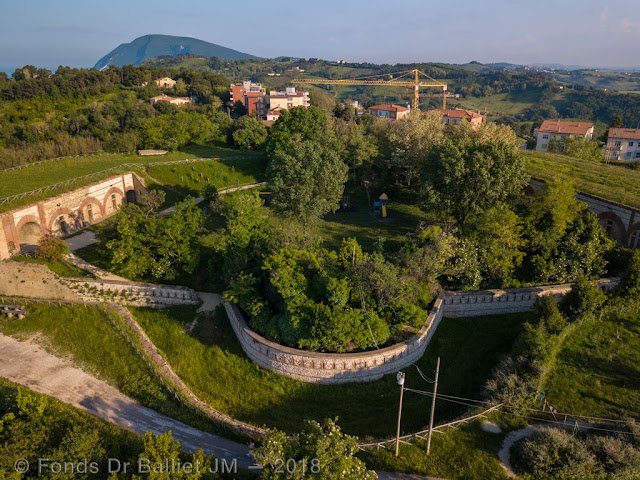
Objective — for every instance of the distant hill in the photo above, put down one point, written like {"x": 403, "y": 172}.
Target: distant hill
{"x": 150, "y": 46}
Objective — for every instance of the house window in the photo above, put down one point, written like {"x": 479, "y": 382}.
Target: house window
{"x": 631, "y": 144}
{"x": 545, "y": 137}
{"x": 633, "y": 241}
{"x": 618, "y": 143}
{"x": 113, "y": 201}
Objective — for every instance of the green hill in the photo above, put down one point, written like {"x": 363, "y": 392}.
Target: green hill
{"x": 151, "y": 46}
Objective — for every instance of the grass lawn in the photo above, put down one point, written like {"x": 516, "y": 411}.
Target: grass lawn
{"x": 211, "y": 361}
{"x": 36, "y": 176}
{"x": 597, "y": 371}
{"x": 612, "y": 182}
{"x": 60, "y": 268}
{"x": 465, "y": 453}
{"x": 508, "y": 103}
{"x": 95, "y": 345}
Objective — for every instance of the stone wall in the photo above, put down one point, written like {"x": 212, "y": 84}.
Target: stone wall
{"x": 316, "y": 367}
{"x": 132, "y": 293}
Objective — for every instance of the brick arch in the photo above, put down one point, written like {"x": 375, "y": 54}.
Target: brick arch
{"x": 622, "y": 236}
{"x": 633, "y": 228}
{"x": 58, "y": 212}
{"x": 111, "y": 191}
{"x": 28, "y": 219}
{"x": 89, "y": 200}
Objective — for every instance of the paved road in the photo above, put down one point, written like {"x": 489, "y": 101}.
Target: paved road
{"x": 28, "y": 364}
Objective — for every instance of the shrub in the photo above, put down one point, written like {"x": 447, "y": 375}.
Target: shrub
{"x": 630, "y": 280}
{"x": 583, "y": 299}
{"x": 547, "y": 309}
{"x": 52, "y": 248}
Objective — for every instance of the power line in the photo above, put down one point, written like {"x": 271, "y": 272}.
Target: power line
{"x": 424, "y": 377}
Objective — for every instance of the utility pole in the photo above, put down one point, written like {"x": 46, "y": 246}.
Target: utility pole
{"x": 400, "y": 378}
{"x": 433, "y": 406}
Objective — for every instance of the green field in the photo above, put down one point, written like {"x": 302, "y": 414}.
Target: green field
{"x": 597, "y": 371}
{"x": 613, "y": 182}
{"x": 102, "y": 166}
{"x": 507, "y": 103}
{"x": 89, "y": 338}
{"x": 211, "y": 361}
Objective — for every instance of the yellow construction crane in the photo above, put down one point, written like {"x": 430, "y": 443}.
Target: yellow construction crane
{"x": 409, "y": 78}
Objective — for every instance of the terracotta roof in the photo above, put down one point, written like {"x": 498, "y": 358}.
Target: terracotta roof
{"x": 168, "y": 98}
{"x": 569, "y": 128}
{"x": 390, "y": 108}
{"x": 457, "y": 113}
{"x": 630, "y": 133}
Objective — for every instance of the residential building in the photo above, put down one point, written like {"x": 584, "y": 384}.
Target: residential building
{"x": 171, "y": 100}
{"x": 287, "y": 100}
{"x": 165, "y": 82}
{"x": 453, "y": 116}
{"x": 273, "y": 115}
{"x": 394, "y": 112}
{"x": 560, "y": 130}
{"x": 249, "y": 94}
{"x": 623, "y": 144}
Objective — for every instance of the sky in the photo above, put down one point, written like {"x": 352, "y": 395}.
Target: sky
{"x": 571, "y": 32}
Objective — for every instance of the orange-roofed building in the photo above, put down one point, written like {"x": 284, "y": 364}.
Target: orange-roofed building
{"x": 394, "y": 112}
{"x": 453, "y": 116}
{"x": 560, "y": 129}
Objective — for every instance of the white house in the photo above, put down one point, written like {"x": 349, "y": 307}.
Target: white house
{"x": 560, "y": 129}
{"x": 623, "y": 144}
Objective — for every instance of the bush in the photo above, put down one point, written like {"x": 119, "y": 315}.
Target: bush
{"x": 583, "y": 299}
{"x": 630, "y": 280}
{"x": 547, "y": 309}
{"x": 558, "y": 453}
{"x": 52, "y": 248}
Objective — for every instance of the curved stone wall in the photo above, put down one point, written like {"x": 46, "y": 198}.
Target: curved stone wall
{"x": 314, "y": 367}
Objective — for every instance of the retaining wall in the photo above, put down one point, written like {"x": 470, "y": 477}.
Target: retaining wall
{"x": 314, "y": 367}
{"x": 139, "y": 294}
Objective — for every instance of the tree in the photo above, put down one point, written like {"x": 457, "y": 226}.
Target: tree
{"x": 295, "y": 126}
{"x": 321, "y": 451}
{"x": 52, "y": 248}
{"x": 177, "y": 129}
{"x": 411, "y": 140}
{"x": 630, "y": 279}
{"x": 161, "y": 451}
{"x": 307, "y": 183}
{"x": 464, "y": 178}
{"x": 578, "y": 147}
{"x": 498, "y": 234}
{"x": 583, "y": 299}
{"x": 249, "y": 133}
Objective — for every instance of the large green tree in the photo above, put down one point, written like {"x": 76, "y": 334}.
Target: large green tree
{"x": 464, "y": 177}
{"x": 321, "y": 451}
{"x": 249, "y": 133}
{"x": 293, "y": 127}
{"x": 308, "y": 182}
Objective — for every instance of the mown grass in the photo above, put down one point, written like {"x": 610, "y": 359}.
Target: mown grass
{"x": 612, "y": 182}
{"x": 89, "y": 337}
{"x": 597, "y": 371}
{"x": 465, "y": 453}
{"x": 41, "y": 175}
{"x": 211, "y": 361}
{"x": 61, "y": 268}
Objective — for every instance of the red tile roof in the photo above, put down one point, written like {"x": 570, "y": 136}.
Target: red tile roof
{"x": 630, "y": 133}
{"x": 390, "y": 108}
{"x": 457, "y": 113}
{"x": 569, "y": 128}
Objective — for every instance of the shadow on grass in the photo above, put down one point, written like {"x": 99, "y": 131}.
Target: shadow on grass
{"x": 211, "y": 361}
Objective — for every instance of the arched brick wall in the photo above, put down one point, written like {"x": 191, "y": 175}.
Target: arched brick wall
{"x": 620, "y": 232}
{"x": 58, "y": 212}
{"x": 92, "y": 200}
{"x": 107, "y": 198}
{"x": 28, "y": 219}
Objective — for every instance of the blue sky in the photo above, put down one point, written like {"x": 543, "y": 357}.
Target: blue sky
{"x": 78, "y": 33}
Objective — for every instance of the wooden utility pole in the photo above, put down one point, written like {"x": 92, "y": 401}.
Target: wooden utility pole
{"x": 433, "y": 406}
{"x": 400, "y": 378}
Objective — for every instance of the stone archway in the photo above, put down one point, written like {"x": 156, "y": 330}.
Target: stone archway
{"x": 29, "y": 236}
{"x": 614, "y": 227}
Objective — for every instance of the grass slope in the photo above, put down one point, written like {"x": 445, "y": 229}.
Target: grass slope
{"x": 88, "y": 336}
{"x": 211, "y": 361}
{"x": 612, "y": 182}
{"x": 597, "y": 371}
{"x": 36, "y": 176}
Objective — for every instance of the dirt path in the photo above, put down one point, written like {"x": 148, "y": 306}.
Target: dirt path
{"x": 29, "y": 365}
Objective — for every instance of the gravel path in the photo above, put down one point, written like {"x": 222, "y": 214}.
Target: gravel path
{"x": 28, "y": 364}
